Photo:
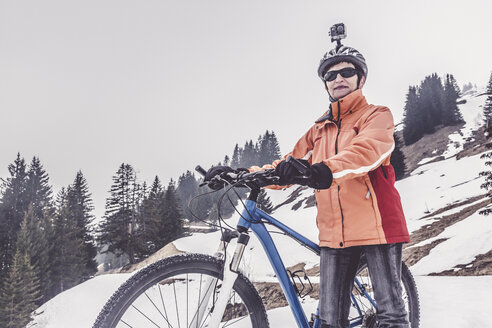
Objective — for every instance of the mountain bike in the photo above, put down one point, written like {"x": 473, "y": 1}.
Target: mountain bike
{"x": 197, "y": 290}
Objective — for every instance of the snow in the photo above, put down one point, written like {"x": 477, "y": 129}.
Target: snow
{"x": 436, "y": 185}
{"x": 455, "y": 301}
{"x": 465, "y": 240}
{"x": 80, "y": 305}
{"x": 427, "y": 160}
{"x": 473, "y": 117}
{"x": 454, "y": 210}
{"x": 452, "y": 302}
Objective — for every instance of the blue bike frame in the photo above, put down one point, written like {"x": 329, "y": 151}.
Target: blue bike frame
{"x": 253, "y": 218}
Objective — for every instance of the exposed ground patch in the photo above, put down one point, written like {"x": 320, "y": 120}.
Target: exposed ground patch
{"x": 412, "y": 255}
{"x": 166, "y": 251}
{"x": 292, "y": 197}
{"x": 480, "y": 266}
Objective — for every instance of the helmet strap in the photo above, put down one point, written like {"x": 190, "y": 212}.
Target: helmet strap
{"x": 326, "y": 88}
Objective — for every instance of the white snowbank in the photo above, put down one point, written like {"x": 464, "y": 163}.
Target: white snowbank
{"x": 79, "y": 306}
{"x": 435, "y": 185}
{"x": 452, "y": 302}
{"x": 473, "y": 116}
{"x": 465, "y": 240}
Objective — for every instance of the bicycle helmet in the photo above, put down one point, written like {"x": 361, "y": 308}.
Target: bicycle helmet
{"x": 342, "y": 54}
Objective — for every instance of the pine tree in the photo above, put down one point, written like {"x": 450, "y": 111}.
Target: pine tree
{"x": 39, "y": 191}
{"x": 151, "y": 216}
{"x": 467, "y": 87}
{"x": 70, "y": 263}
{"x": 163, "y": 217}
{"x": 35, "y": 239}
{"x": 19, "y": 293}
{"x": 269, "y": 150}
{"x": 398, "y": 159}
{"x": 487, "y": 108}
{"x": 236, "y": 157}
{"x": 451, "y": 113}
{"x": 187, "y": 189}
{"x": 80, "y": 207}
{"x": 12, "y": 208}
{"x": 264, "y": 202}
{"x": 226, "y": 160}
{"x": 249, "y": 155}
{"x": 487, "y": 185}
{"x": 119, "y": 229}
{"x": 172, "y": 223}
{"x": 27, "y": 195}
{"x": 431, "y": 98}
{"x": 412, "y": 130}
{"x": 41, "y": 211}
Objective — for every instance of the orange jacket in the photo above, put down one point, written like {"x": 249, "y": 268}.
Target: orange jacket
{"x": 362, "y": 207}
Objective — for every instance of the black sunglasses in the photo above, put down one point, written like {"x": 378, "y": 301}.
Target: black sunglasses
{"x": 344, "y": 72}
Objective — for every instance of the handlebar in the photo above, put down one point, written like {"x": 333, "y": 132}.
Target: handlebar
{"x": 254, "y": 180}
{"x": 200, "y": 170}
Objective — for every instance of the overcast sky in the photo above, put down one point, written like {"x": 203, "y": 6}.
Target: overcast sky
{"x": 165, "y": 85}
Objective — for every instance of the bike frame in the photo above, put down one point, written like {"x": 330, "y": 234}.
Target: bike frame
{"x": 253, "y": 218}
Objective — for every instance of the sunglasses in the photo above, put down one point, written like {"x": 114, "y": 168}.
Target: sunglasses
{"x": 344, "y": 72}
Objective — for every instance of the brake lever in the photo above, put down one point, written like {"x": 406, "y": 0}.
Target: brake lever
{"x": 297, "y": 164}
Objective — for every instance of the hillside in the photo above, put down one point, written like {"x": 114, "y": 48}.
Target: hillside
{"x": 450, "y": 253}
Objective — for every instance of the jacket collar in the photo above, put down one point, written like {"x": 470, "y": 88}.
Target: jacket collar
{"x": 346, "y": 105}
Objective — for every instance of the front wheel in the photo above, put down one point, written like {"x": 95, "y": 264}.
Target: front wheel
{"x": 181, "y": 291}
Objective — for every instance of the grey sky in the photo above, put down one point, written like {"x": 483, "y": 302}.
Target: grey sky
{"x": 166, "y": 85}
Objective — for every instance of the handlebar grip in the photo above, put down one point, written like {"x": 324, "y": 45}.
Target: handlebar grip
{"x": 200, "y": 170}
{"x": 297, "y": 164}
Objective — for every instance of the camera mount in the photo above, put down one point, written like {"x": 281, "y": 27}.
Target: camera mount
{"x": 337, "y": 33}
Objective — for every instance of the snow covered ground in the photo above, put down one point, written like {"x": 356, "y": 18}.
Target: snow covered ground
{"x": 472, "y": 113}
{"x": 452, "y": 302}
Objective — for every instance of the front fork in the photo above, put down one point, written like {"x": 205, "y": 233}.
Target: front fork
{"x": 231, "y": 266}
{"x": 231, "y": 271}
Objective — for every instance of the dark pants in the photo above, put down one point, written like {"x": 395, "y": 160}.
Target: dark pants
{"x": 338, "y": 268}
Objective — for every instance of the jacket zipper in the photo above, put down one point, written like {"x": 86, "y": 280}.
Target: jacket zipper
{"x": 339, "y": 124}
{"x": 384, "y": 173}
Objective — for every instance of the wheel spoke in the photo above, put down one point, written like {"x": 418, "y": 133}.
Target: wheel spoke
{"x": 187, "y": 281}
{"x": 234, "y": 322}
{"x": 200, "y": 302}
{"x": 155, "y": 306}
{"x": 145, "y": 316}
{"x": 176, "y": 303}
{"x": 163, "y": 305}
{"x": 126, "y": 324}
{"x": 199, "y": 298}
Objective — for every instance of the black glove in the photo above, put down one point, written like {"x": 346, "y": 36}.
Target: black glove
{"x": 317, "y": 176}
{"x": 320, "y": 176}
{"x": 287, "y": 172}
{"x": 220, "y": 170}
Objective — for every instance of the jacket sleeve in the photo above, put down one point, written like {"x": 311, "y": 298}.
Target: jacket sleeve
{"x": 301, "y": 150}
{"x": 373, "y": 145}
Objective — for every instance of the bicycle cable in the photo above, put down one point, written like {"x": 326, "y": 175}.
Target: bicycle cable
{"x": 196, "y": 216}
